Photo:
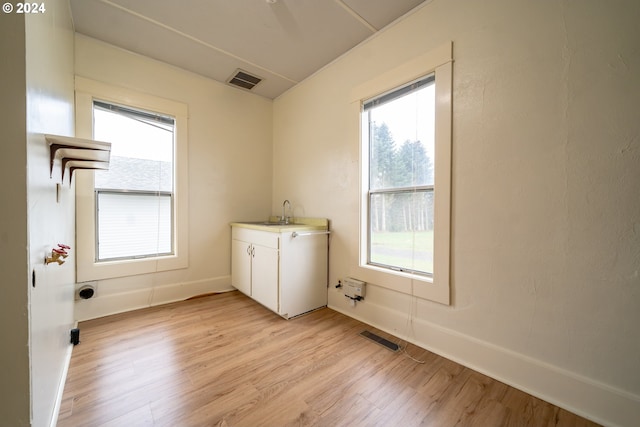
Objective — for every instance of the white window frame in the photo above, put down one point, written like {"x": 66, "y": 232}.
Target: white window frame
{"x": 87, "y": 268}
{"x": 437, "y": 286}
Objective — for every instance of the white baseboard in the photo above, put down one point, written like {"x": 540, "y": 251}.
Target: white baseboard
{"x": 63, "y": 381}
{"x": 181, "y": 291}
{"x": 590, "y": 399}
{"x": 108, "y": 304}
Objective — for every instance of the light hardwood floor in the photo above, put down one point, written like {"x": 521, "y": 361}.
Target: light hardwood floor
{"x": 224, "y": 360}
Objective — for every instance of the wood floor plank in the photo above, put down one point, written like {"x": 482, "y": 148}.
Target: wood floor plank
{"x": 140, "y": 417}
{"x": 224, "y": 360}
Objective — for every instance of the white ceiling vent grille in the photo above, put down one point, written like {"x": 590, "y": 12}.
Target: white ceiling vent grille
{"x": 244, "y": 80}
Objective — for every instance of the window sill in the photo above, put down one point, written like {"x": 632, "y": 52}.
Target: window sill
{"x": 407, "y": 283}
{"x": 404, "y": 274}
{"x": 87, "y": 271}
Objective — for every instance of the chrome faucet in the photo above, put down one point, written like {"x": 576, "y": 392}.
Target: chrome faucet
{"x": 284, "y": 218}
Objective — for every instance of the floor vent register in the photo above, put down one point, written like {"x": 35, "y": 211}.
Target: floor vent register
{"x": 379, "y": 340}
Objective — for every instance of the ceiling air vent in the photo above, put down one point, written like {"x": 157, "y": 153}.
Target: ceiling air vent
{"x": 244, "y": 80}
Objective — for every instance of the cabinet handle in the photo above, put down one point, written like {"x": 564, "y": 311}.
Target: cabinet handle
{"x": 249, "y": 250}
{"x": 253, "y": 252}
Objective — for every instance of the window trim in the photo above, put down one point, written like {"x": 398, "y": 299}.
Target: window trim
{"x": 367, "y": 107}
{"x": 437, "y": 287}
{"x": 87, "y": 268}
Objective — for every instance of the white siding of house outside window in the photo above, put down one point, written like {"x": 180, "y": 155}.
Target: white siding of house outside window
{"x": 133, "y": 225}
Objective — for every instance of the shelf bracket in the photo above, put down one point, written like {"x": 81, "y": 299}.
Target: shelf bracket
{"x": 77, "y": 153}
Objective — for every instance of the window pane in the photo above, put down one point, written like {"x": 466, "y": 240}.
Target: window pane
{"x": 133, "y": 225}
{"x": 141, "y": 153}
{"x": 401, "y": 131}
{"x": 401, "y": 230}
{"x": 134, "y": 197}
{"x": 402, "y": 141}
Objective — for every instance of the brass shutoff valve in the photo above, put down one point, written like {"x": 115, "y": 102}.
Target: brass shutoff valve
{"x": 58, "y": 255}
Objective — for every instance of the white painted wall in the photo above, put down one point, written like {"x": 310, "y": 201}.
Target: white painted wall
{"x": 546, "y": 177}
{"x": 37, "y": 94}
{"x": 230, "y": 152}
{"x": 14, "y": 261}
{"x": 49, "y": 59}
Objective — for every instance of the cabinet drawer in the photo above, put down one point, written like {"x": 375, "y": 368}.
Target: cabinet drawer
{"x": 262, "y": 238}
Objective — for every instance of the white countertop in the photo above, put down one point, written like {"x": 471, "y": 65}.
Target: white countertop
{"x": 295, "y": 224}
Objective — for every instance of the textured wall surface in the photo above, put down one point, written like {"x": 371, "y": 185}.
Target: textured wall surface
{"x": 546, "y": 176}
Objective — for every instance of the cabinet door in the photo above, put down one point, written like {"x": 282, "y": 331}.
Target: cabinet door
{"x": 264, "y": 276}
{"x": 303, "y": 279}
{"x": 241, "y": 266}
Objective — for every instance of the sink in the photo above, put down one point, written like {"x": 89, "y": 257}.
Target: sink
{"x": 275, "y": 225}
{"x": 269, "y": 223}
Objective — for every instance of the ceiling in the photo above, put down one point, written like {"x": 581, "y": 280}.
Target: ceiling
{"x": 280, "y": 41}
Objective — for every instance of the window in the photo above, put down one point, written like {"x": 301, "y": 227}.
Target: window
{"x": 399, "y": 131}
{"x": 131, "y": 219}
{"x": 405, "y": 203}
{"x": 134, "y": 197}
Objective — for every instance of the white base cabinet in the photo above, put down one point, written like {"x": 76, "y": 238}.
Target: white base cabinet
{"x": 286, "y": 271}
